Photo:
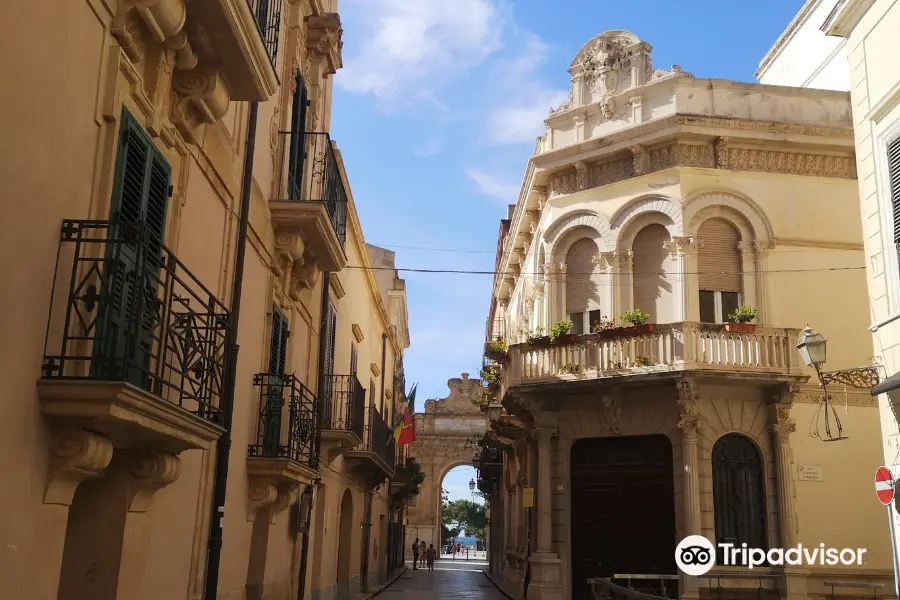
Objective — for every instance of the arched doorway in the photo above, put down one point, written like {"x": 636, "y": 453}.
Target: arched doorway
{"x": 462, "y": 515}
{"x": 345, "y": 541}
{"x": 623, "y": 508}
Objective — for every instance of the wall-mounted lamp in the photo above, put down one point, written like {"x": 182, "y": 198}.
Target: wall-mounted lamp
{"x": 812, "y": 347}
{"x": 494, "y": 410}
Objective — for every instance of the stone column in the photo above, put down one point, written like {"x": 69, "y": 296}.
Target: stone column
{"x": 690, "y": 424}
{"x": 545, "y": 564}
{"x": 795, "y": 578}
{"x": 761, "y": 253}
{"x": 684, "y": 249}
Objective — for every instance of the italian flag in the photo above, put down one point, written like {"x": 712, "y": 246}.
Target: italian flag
{"x": 405, "y": 431}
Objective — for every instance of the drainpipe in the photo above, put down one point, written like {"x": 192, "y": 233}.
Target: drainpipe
{"x": 223, "y": 447}
{"x": 304, "y": 548}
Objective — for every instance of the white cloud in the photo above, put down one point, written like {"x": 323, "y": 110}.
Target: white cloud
{"x": 404, "y": 42}
{"x": 488, "y": 184}
{"x": 521, "y": 118}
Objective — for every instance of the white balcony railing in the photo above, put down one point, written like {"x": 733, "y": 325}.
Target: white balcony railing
{"x": 671, "y": 347}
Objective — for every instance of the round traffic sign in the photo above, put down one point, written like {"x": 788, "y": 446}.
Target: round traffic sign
{"x": 884, "y": 485}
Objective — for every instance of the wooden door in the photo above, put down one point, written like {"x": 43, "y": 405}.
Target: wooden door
{"x": 623, "y": 509}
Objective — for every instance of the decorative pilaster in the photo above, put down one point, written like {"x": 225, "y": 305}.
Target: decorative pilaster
{"x": 756, "y": 253}
{"x": 685, "y": 249}
{"x": 782, "y": 428}
{"x": 690, "y": 425}
{"x": 545, "y": 564}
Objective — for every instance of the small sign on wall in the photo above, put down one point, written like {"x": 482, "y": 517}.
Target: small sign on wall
{"x": 527, "y": 497}
{"x": 810, "y": 473}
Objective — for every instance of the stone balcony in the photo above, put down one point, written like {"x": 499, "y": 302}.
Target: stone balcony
{"x": 768, "y": 354}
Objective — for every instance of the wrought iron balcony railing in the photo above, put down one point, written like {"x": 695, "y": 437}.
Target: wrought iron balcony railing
{"x": 312, "y": 173}
{"x": 380, "y": 438}
{"x": 288, "y": 422}
{"x": 267, "y": 14}
{"x": 345, "y": 405}
{"x": 123, "y": 308}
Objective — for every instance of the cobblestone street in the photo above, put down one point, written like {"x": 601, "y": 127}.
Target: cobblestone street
{"x": 449, "y": 581}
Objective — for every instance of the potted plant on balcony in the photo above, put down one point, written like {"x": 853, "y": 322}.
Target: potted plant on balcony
{"x": 496, "y": 350}
{"x": 638, "y": 321}
{"x": 559, "y": 333}
{"x": 605, "y": 328}
{"x": 739, "y": 320}
{"x": 537, "y": 339}
{"x": 490, "y": 376}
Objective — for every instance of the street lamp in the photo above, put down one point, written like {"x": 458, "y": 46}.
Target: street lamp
{"x": 494, "y": 410}
{"x": 812, "y": 347}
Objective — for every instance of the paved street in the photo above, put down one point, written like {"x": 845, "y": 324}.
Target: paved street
{"x": 456, "y": 581}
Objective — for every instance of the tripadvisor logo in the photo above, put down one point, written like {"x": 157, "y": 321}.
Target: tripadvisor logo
{"x": 696, "y": 555}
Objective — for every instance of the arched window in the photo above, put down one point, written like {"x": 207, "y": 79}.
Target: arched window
{"x": 652, "y": 289}
{"x": 719, "y": 266}
{"x": 739, "y": 497}
{"x": 582, "y": 285}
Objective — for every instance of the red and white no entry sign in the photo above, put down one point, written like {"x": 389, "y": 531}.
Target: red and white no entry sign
{"x": 884, "y": 485}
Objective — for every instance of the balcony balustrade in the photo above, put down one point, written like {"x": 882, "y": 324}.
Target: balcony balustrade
{"x": 344, "y": 410}
{"x": 288, "y": 423}
{"x": 377, "y": 454}
{"x": 135, "y": 345}
{"x": 314, "y": 199}
{"x": 670, "y": 347}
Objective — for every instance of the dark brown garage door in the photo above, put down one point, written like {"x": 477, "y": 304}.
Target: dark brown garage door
{"x": 623, "y": 508}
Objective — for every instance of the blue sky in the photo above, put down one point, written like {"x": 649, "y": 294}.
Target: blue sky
{"x": 437, "y": 109}
{"x": 456, "y": 482}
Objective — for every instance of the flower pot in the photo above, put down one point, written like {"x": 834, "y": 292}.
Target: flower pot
{"x": 565, "y": 339}
{"x": 740, "y": 327}
{"x": 541, "y": 342}
{"x": 636, "y": 330}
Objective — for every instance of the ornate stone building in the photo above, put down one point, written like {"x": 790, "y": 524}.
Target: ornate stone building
{"x": 444, "y": 433}
{"x": 131, "y": 143}
{"x": 685, "y": 198}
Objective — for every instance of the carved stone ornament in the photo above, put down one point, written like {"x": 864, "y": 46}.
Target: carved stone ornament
{"x": 75, "y": 456}
{"x": 581, "y": 176}
{"x": 689, "y": 403}
{"x": 611, "y": 412}
{"x": 324, "y": 41}
{"x": 682, "y": 246}
{"x": 150, "y": 474}
{"x": 202, "y": 97}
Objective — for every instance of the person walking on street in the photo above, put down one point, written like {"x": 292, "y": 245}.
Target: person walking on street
{"x": 429, "y": 557}
{"x": 415, "y": 549}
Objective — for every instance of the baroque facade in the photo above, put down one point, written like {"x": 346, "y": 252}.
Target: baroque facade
{"x": 852, "y": 43}
{"x": 148, "y": 462}
{"x": 685, "y": 198}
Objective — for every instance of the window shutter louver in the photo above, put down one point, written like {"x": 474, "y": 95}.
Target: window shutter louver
{"x": 893, "y": 152}
{"x": 582, "y": 277}
{"x": 719, "y": 260}
{"x": 278, "y": 345}
{"x": 298, "y": 130}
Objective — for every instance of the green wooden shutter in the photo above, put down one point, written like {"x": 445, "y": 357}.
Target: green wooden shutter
{"x": 278, "y": 344}
{"x": 124, "y": 338}
{"x": 298, "y": 131}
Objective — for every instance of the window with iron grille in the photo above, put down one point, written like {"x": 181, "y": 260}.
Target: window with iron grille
{"x": 739, "y": 492}
{"x": 296, "y": 147}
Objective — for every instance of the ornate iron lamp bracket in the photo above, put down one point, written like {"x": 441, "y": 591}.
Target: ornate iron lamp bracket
{"x": 862, "y": 377}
